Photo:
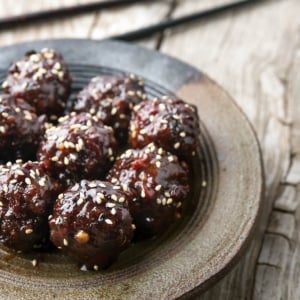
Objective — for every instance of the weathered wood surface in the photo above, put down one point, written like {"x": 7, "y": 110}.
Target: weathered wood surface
{"x": 255, "y": 55}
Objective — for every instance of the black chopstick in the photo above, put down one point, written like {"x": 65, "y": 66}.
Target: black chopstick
{"x": 152, "y": 29}
{"x": 45, "y": 15}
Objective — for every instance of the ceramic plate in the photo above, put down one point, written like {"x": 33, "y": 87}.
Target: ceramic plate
{"x": 224, "y": 205}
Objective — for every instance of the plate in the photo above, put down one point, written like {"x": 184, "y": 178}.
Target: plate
{"x": 224, "y": 206}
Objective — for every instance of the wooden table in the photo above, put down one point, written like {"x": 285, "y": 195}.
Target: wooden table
{"x": 255, "y": 55}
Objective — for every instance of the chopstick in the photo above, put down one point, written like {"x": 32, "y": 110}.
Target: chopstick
{"x": 152, "y": 29}
{"x": 25, "y": 19}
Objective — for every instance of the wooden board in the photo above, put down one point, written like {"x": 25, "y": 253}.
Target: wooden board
{"x": 255, "y": 55}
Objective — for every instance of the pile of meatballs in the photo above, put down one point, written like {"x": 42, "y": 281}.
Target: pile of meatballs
{"x": 89, "y": 177}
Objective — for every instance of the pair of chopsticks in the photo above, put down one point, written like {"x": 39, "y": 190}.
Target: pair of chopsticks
{"x": 26, "y": 19}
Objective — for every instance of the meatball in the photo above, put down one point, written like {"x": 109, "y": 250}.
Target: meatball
{"x": 26, "y": 197}
{"x": 111, "y": 99}
{"x": 91, "y": 223}
{"x": 42, "y": 79}
{"x": 169, "y": 122}
{"x": 157, "y": 184}
{"x": 20, "y": 129}
{"x": 80, "y": 147}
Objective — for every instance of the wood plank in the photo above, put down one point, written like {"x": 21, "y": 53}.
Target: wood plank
{"x": 91, "y": 25}
{"x": 253, "y": 63}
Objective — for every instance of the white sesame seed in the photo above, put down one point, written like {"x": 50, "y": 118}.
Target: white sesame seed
{"x": 158, "y": 164}
{"x": 28, "y": 231}
{"x": 182, "y": 134}
{"x": 110, "y": 205}
{"x": 109, "y": 151}
{"x": 193, "y": 153}
{"x": 34, "y": 262}
{"x": 164, "y": 201}
{"x": 113, "y": 211}
{"x": 133, "y": 226}
{"x": 114, "y": 197}
{"x": 176, "y": 145}
{"x": 114, "y": 180}
{"x": 169, "y": 201}
{"x": 60, "y": 196}
{"x": 143, "y": 195}
{"x": 96, "y": 268}
{"x": 5, "y": 188}
{"x": 66, "y": 161}
{"x": 92, "y": 185}
{"x": 204, "y": 183}
{"x": 122, "y": 199}
{"x": 80, "y": 201}
{"x": 102, "y": 185}
{"x": 108, "y": 221}
{"x": 20, "y": 172}
{"x": 178, "y": 204}
{"x": 27, "y": 180}
{"x": 131, "y": 93}
{"x": 167, "y": 194}
{"x": 170, "y": 158}
{"x": 113, "y": 111}
{"x": 42, "y": 181}
{"x": 2, "y": 129}
{"x": 158, "y": 187}
{"x": 65, "y": 242}
{"x": 158, "y": 201}
{"x": 176, "y": 117}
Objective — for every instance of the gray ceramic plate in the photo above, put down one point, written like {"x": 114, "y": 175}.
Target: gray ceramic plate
{"x": 224, "y": 205}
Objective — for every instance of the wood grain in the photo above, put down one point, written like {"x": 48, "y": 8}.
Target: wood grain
{"x": 255, "y": 55}
{"x": 256, "y": 64}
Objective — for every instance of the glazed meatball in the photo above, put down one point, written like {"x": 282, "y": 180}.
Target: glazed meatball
{"x": 20, "y": 129}
{"x": 169, "y": 122}
{"x": 157, "y": 185}
{"x": 42, "y": 79}
{"x": 91, "y": 223}
{"x": 80, "y": 147}
{"x": 111, "y": 99}
{"x": 26, "y": 197}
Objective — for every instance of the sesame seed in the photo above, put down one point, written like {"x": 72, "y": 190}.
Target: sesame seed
{"x": 28, "y": 231}
{"x": 158, "y": 164}
{"x": 193, "y": 153}
{"x": 113, "y": 211}
{"x": 27, "y": 180}
{"x": 13, "y": 181}
{"x": 131, "y": 93}
{"x": 42, "y": 181}
{"x": 169, "y": 201}
{"x": 96, "y": 268}
{"x": 109, "y": 151}
{"x": 158, "y": 187}
{"x": 92, "y": 185}
{"x": 4, "y": 84}
{"x": 158, "y": 201}
{"x": 116, "y": 187}
{"x": 5, "y": 188}
{"x": 1, "y": 203}
{"x": 102, "y": 185}
{"x": 65, "y": 242}
{"x": 204, "y": 183}
{"x": 167, "y": 194}
{"x": 176, "y": 145}
{"x": 80, "y": 201}
{"x": 20, "y": 172}
{"x": 121, "y": 199}
{"x": 133, "y": 226}
{"x": 110, "y": 205}
{"x": 108, "y": 86}
{"x": 178, "y": 204}
{"x": 60, "y": 196}
{"x": 66, "y": 161}
{"x": 2, "y": 129}
{"x": 161, "y": 106}
{"x": 170, "y": 158}
{"x": 114, "y": 111}
{"x": 34, "y": 262}
{"x": 143, "y": 195}
{"x": 114, "y": 197}
{"x": 132, "y": 76}
{"x": 124, "y": 187}
{"x": 164, "y": 201}
{"x": 182, "y": 134}
{"x": 176, "y": 117}
{"x": 114, "y": 180}
{"x": 108, "y": 221}
{"x": 123, "y": 116}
